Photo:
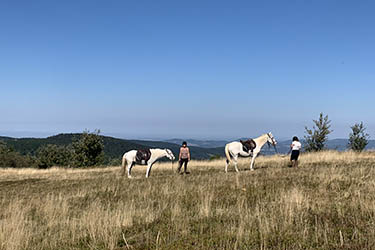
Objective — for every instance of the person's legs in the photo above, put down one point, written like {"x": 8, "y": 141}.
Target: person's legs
{"x": 294, "y": 158}
{"x": 179, "y": 166}
{"x": 293, "y": 163}
{"x": 185, "y": 166}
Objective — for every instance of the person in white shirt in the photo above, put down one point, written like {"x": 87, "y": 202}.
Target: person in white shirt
{"x": 295, "y": 147}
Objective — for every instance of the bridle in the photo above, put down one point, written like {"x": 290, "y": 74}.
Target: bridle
{"x": 170, "y": 155}
{"x": 273, "y": 142}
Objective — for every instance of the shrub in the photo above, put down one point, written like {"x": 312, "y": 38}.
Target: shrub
{"x": 318, "y": 135}
{"x": 88, "y": 150}
{"x": 358, "y": 139}
{"x": 54, "y": 155}
{"x": 11, "y": 159}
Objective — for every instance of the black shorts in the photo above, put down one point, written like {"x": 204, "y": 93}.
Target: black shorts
{"x": 294, "y": 155}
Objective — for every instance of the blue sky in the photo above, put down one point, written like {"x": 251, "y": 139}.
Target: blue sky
{"x": 200, "y": 69}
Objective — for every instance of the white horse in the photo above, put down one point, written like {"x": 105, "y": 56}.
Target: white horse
{"x": 235, "y": 149}
{"x": 129, "y": 159}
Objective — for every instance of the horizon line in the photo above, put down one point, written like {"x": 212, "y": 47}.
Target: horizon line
{"x": 155, "y": 138}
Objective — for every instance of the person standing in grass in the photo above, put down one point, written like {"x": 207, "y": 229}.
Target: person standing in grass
{"x": 295, "y": 147}
{"x": 183, "y": 158}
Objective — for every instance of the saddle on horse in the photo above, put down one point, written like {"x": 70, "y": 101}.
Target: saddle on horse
{"x": 142, "y": 156}
{"x": 248, "y": 145}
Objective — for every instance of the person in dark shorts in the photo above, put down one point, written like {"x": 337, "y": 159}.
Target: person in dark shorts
{"x": 295, "y": 147}
{"x": 183, "y": 157}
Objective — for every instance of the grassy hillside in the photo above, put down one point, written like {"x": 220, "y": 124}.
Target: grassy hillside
{"x": 327, "y": 203}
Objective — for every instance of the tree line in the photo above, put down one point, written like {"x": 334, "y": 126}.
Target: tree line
{"x": 317, "y": 137}
{"x": 85, "y": 151}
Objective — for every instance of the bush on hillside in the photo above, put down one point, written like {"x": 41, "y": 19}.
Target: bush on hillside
{"x": 54, "y": 155}
{"x": 88, "y": 150}
{"x": 11, "y": 159}
{"x": 358, "y": 138}
{"x": 318, "y": 135}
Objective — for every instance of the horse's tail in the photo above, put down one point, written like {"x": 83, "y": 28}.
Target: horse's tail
{"x": 227, "y": 154}
{"x": 124, "y": 162}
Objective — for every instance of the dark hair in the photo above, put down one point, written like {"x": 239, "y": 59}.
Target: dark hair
{"x": 184, "y": 143}
{"x": 295, "y": 138}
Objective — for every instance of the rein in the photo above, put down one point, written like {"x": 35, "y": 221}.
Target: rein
{"x": 273, "y": 144}
{"x": 275, "y": 149}
{"x": 171, "y": 160}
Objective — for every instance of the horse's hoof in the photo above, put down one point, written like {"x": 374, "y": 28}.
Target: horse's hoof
{"x": 251, "y": 169}
{"x": 130, "y": 177}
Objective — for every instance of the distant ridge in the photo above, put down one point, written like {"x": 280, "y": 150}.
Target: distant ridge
{"x": 114, "y": 148}
{"x": 199, "y": 143}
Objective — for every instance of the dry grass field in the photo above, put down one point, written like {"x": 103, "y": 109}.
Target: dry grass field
{"x": 327, "y": 203}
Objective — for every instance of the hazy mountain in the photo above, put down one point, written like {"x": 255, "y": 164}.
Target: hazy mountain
{"x": 113, "y": 147}
{"x": 335, "y": 144}
{"x": 282, "y": 147}
{"x": 199, "y": 143}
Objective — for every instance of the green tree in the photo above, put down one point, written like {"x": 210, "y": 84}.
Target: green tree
{"x": 12, "y": 159}
{"x": 318, "y": 135}
{"x": 358, "y": 139}
{"x": 88, "y": 150}
{"x": 3, "y": 147}
{"x": 54, "y": 155}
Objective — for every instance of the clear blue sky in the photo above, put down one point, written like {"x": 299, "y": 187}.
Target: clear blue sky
{"x": 201, "y": 69}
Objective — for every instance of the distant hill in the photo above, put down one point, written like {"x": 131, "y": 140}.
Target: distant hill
{"x": 283, "y": 146}
{"x": 334, "y": 144}
{"x": 113, "y": 147}
{"x": 199, "y": 143}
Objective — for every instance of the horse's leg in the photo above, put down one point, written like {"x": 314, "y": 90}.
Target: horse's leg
{"x": 149, "y": 165}
{"x": 226, "y": 166}
{"x": 252, "y": 162}
{"x": 123, "y": 165}
{"x": 235, "y": 157}
{"x": 130, "y": 169}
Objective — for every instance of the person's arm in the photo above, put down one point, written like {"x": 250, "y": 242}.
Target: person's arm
{"x": 179, "y": 156}
{"x": 188, "y": 154}
{"x": 290, "y": 150}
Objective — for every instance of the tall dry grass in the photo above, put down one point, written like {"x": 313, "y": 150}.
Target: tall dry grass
{"x": 326, "y": 203}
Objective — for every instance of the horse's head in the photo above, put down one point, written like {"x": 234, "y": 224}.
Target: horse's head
{"x": 170, "y": 154}
{"x": 271, "y": 139}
